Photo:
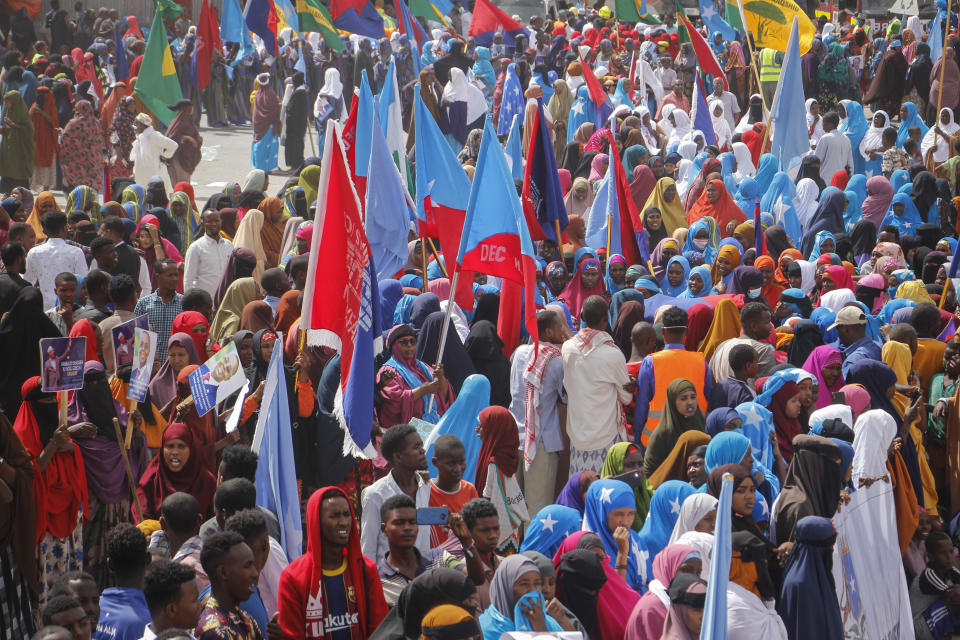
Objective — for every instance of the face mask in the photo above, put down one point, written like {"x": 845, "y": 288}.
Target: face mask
{"x": 700, "y": 243}
{"x": 754, "y": 293}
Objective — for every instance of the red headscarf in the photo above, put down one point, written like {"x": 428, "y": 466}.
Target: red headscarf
{"x": 187, "y": 188}
{"x": 575, "y": 293}
{"x": 724, "y": 210}
{"x": 500, "y": 443}
{"x": 83, "y": 328}
{"x": 839, "y": 180}
{"x": 754, "y": 141}
{"x": 201, "y": 427}
{"x": 185, "y": 322}
{"x": 60, "y": 490}
{"x": 787, "y": 428}
{"x": 699, "y": 319}
{"x": 159, "y": 481}
{"x": 840, "y": 277}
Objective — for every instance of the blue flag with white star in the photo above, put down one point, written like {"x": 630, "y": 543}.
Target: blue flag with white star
{"x": 714, "y": 625}
{"x": 715, "y": 22}
{"x": 512, "y": 103}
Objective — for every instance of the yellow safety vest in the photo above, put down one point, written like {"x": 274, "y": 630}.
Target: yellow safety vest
{"x": 769, "y": 69}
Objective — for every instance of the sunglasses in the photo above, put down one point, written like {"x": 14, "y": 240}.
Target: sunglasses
{"x": 407, "y": 342}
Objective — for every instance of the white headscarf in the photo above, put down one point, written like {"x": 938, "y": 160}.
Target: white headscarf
{"x": 831, "y": 412}
{"x": 720, "y": 125}
{"x": 808, "y": 275}
{"x": 664, "y": 122}
{"x": 332, "y": 87}
{"x": 650, "y": 139}
{"x": 942, "y": 152}
{"x": 459, "y": 90}
{"x": 806, "y": 200}
{"x": 873, "y": 138}
{"x": 837, "y": 299}
{"x": 702, "y": 542}
{"x": 745, "y": 168}
{"x": 694, "y": 508}
{"x": 818, "y": 131}
{"x": 682, "y": 129}
{"x": 872, "y": 435}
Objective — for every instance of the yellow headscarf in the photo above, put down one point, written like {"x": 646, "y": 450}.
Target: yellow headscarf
{"x": 673, "y": 214}
{"x": 729, "y": 252}
{"x": 725, "y": 325}
{"x": 914, "y": 290}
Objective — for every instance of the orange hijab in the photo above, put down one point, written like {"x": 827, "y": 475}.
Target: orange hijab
{"x": 724, "y": 210}
{"x": 780, "y": 277}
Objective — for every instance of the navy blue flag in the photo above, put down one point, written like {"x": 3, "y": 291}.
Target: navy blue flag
{"x": 542, "y": 194}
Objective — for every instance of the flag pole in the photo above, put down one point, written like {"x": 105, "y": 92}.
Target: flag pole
{"x": 609, "y": 231}
{"x": 936, "y": 120}
{"x": 313, "y": 147}
{"x": 423, "y": 256}
{"x": 126, "y": 464}
{"x": 556, "y": 224}
{"x": 436, "y": 255}
{"x": 446, "y": 325}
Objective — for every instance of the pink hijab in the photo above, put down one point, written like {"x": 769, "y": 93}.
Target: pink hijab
{"x": 857, "y": 397}
{"x": 821, "y": 357}
{"x": 879, "y": 196}
{"x": 576, "y": 293}
{"x": 616, "y": 599}
{"x": 646, "y": 620}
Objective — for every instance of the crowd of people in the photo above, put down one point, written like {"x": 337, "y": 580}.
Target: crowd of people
{"x": 568, "y": 483}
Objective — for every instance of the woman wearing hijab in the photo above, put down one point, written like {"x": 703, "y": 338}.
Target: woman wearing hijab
{"x": 908, "y": 119}
{"x": 548, "y": 528}
{"x": 430, "y": 590}
{"x": 715, "y": 202}
{"x": 805, "y": 203}
{"x": 413, "y": 390}
{"x": 21, "y": 329}
{"x": 624, "y": 457}
{"x": 936, "y": 142}
{"x": 58, "y": 489}
{"x": 248, "y": 237}
{"x": 463, "y": 105}
{"x": 811, "y": 486}
{"x": 649, "y": 615}
{"x": 226, "y": 321}
{"x": 662, "y": 518}
{"x": 266, "y": 126}
{"x": 82, "y": 148}
{"x": 18, "y": 144}
{"x": 609, "y": 508}
{"x": 196, "y": 325}
{"x": 46, "y": 122}
{"x": 824, "y": 363}
{"x": 751, "y": 592}
{"x": 181, "y": 352}
{"x": 587, "y": 282}
{"x": 681, "y": 414}
{"x": 176, "y": 468}
{"x": 240, "y": 264}
{"x": 727, "y": 260}
{"x": 853, "y": 127}
{"x": 827, "y": 217}
{"x": 579, "y": 199}
{"x": 156, "y": 247}
{"x": 184, "y": 131}
{"x": 516, "y": 603}
{"x": 496, "y": 474}
{"x": 808, "y": 604}
{"x": 666, "y": 199}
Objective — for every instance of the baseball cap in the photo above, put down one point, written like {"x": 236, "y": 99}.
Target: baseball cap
{"x": 849, "y": 316}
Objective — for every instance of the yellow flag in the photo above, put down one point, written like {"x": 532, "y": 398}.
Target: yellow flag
{"x": 769, "y": 21}
{"x": 167, "y": 67}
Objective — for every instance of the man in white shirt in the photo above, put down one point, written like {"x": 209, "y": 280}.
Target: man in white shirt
{"x": 731, "y": 108}
{"x": 148, "y": 148}
{"x": 402, "y": 447}
{"x": 172, "y": 597}
{"x": 548, "y": 409}
{"x": 207, "y": 257}
{"x": 597, "y": 383}
{"x": 46, "y": 260}
{"x": 833, "y": 149}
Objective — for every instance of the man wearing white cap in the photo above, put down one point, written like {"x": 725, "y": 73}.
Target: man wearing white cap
{"x": 851, "y": 326}
{"x": 149, "y": 147}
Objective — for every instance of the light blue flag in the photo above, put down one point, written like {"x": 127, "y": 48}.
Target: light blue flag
{"x": 605, "y": 207}
{"x": 514, "y": 149}
{"x": 790, "y": 142}
{"x": 233, "y": 28}
{"x": 301, "y": 63}
{"x": 461, "y": 419}
{"x": 289, "y": 14}
{"x": 388, "y": 216}
{"x": 366, "y": 108}
{"x": 935, "y": 39}
{"x": 276, "y": 479}
{"x": 714, "y": 626}
{"x": 715, "y": 22}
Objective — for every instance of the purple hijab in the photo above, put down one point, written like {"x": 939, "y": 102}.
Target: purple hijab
{"x": 571, "y": 495}
{"x": 163, "y": 387}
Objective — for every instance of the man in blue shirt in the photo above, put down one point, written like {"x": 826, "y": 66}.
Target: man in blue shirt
{"x": 123, "y": 609}
{"x": 851, "y": 326}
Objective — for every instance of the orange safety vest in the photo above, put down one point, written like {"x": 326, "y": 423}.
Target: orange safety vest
{"x": 668, "y": 365}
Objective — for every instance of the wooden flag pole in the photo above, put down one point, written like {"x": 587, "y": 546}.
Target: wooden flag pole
{"x": 936, "y": 121}
{"x": 436, "y": 254}
{"x": 126, "y": 465}
{"x": 756, "y": 72}
{"x": 423, "y": 256}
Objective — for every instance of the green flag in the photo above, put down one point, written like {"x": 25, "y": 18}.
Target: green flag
{"x": 427, "y": 10}
{"x": 168, "y": 8}
{"x": 732, "y": 15}
{"x": 626, "y": 10}
{"x": 157, "y": 84}
{"x": 681, "y": 30}
{"x": 315, "y": 17}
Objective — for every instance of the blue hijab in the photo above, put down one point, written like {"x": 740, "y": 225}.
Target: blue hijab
{"x": 747, "y": 196}
{"x": 778, "y": 200}
{"x": 726, "y": 447}
{"x": 483, "y": 69}
{"x": 852, "y": 213}
{"x": 728, "y": 163}
{"x": 390, "y": 293}
{"x": 411, "y": 280}
{"x": 662, "y": 516}
{"x": 906, "y": 223}
{"x": 549, "y": 527}
{"x": 757, "y": 426}
{"x": 710, "y": 251}
{"x": 858, "y": 183}
{"x": 494, "y": 624}
{"x": 668, "y": 289}
{"x": 427, "y": 58}
{"x": 704, "y": 272}
{"x": 912, "y": 120}
{"x": 401, "y": 312}
{"x": 460, "y": 419}
{"x": 820, "y": 238}
{"x": 618, "y": 299}
{"x": 583, "y": 110}
{"x": 766, "y": 170}
{"x": 853, "y": 127}
{"x": 620, "y": 95}
{"x": 807, "y": 605}
{"x": 899, "y": 178}
{"x": 824, "y": 318}
{"x": 606, "y": 495}
{"x": 608, "y": 283}
{"x": 718, "y": 419}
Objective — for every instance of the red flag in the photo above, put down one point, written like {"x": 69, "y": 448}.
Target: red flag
{"x": 705, "y": 58}
{"x": 630, "y": 221}
{"x": 208, "y": 41}
{"x": 759, "y": 239}
{"x": 348, "y": 138}
{"x": 339, "y": 255}
{"x": 597, "y": 94}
